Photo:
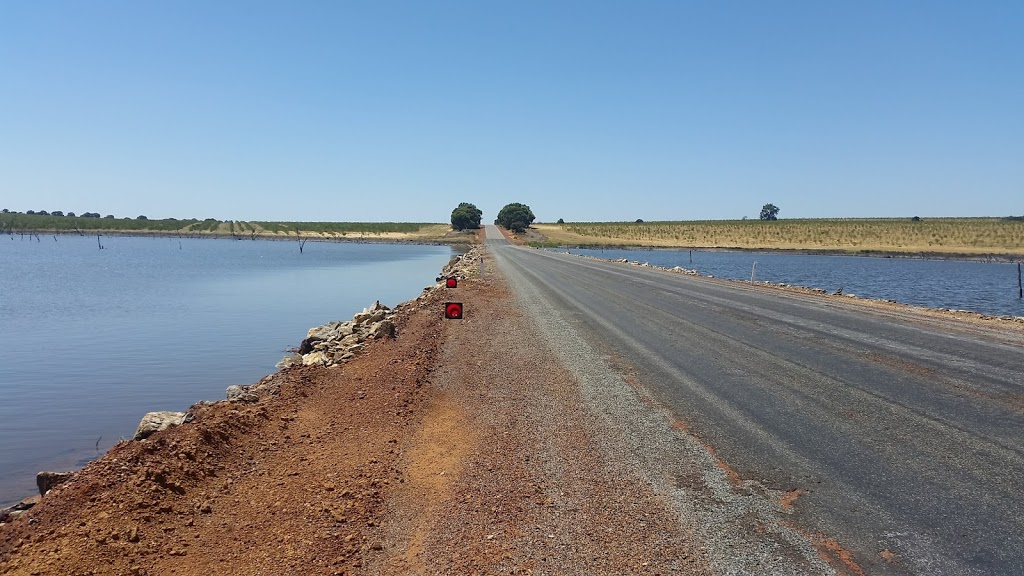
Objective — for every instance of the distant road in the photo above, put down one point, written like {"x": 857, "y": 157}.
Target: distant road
{"x": 907, "y": 434}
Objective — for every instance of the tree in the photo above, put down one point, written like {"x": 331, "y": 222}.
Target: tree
{"x": 71, "y": 214}
{"x": 560, "y": 221}
{"x": 56, "y": 213}
{"x": 639, "y": 221}
{"x": 516, "y": 217}
{"x": 30, "y": 211}
{"x": 141, "y": 217}
{"x": 466, "y": 216}
{"x": 770, "y": 212}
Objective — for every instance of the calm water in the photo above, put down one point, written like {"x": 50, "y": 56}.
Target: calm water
{"x": 986, "y": 287}
{"x": 91, "y": 339}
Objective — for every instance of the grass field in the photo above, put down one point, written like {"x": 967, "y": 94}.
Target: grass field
{"x": 11, "y": 223}
{"x": 935, "y": 235}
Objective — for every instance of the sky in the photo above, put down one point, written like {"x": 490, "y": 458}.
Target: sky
{"x": 584, "y": 110}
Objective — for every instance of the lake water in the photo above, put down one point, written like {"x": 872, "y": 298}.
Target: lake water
{"x": 985, "y": 287}
{"x": 90, "y": 339}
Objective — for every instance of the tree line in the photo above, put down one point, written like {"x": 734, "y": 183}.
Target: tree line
{"x": 61, "y": 214}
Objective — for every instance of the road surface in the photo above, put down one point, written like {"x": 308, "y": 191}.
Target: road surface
{"x": 900, "y": 439}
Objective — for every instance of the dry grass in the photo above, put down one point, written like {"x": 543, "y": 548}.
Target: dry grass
{"x": 938, "y": 235}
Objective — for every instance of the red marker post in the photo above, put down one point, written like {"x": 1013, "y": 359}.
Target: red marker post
{"x": 453, "y": 310}
{"x": 451, "y": 282}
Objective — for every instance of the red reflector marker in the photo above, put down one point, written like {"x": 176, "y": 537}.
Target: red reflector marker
{"x": 451, "y": 282}
{"x": 453, "y": 310}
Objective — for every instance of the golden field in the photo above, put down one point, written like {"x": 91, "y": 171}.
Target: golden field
{"x": 935, "y": 235}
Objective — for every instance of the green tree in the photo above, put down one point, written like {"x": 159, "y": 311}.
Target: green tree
{"x": 516, "y": 217}
{"x": 560, "y": 221}
{"x": 769, "y": 212}
{"x": 466, "y": 216}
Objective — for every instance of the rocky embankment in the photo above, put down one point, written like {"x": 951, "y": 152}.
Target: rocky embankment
{"x": 331, "y": 344}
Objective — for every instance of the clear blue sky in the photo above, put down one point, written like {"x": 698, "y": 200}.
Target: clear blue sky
{"x": 585, "y": 110}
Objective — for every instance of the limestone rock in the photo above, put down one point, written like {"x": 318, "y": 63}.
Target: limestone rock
{"x": 236, "y": 393}
{"x": 156, "y": 421}
{"x": 383, "y": 329}
{"x": 352, "y": 340}
{"x": 47, "y": 480}
{"x": 314, "y": 358}
{"x": 289, "y": 361}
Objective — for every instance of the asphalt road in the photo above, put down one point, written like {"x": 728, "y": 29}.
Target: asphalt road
{"x": 906, "y": 433}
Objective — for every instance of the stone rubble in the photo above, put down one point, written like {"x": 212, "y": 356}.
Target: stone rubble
{"x": 337, "y": 342}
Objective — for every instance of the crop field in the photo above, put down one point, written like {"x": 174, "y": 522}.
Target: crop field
{"x": 936, "y": 235}
{"x": 344, "y": 228}
{"x": 17, "y": 223}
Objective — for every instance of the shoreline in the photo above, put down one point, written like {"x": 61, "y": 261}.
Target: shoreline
{"x": 461, "y": 265}
{"x": 960, "y": 315}
{"x": 1000, "y": 257}
{"x": 956, "y": 315}
{"x": 430, "y": 241}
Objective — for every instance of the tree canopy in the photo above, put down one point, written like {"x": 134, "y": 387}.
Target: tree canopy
{"x": 769, "y": 212}
{"x": 466, "y": 216}
{"x": 516, "y": 217}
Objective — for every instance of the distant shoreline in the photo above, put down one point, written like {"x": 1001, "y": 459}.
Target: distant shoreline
{"x": 964, "y": 256}
{"x": 432, "y": 241}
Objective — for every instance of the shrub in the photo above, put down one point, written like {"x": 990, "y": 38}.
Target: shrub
{"x": 516, "y": 217}
{"x": 466, "y": 216}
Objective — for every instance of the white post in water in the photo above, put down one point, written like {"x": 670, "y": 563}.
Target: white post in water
{"x": 753, "y": 269}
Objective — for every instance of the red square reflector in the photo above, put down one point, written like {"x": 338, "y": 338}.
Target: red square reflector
{"x": 453, "y": 310}
{"x": 451, "y": 283}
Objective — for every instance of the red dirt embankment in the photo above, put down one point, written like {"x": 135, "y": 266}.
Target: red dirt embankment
{"x": 456, "y": 448}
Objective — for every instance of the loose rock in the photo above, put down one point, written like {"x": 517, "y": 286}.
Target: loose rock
{"x": 45, "y": 481}
{"x": 156, "y": 421}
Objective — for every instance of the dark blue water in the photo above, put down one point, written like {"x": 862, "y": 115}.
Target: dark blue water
{"x": 91, "y": 339}
{"x": 985, "y": 287}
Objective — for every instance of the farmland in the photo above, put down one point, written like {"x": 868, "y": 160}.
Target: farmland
{"x": 17, "y": 223}
{"x": 896, "y": 235}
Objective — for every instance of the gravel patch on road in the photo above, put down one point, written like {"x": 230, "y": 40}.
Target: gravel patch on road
{"x": 742, "y": 525}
